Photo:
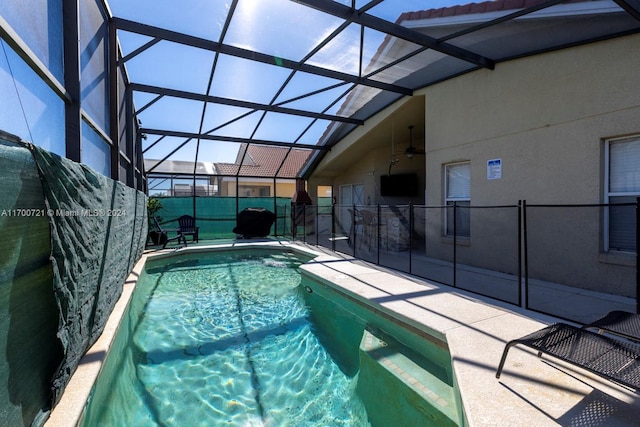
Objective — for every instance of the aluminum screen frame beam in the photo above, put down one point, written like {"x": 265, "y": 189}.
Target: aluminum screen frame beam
{"x": 176, "y": 37}
{"x": 632, "y": 7}
{"x": 242, "y": 104}
{"x": 192, "y": 135}
{"x": 378, "y": 24}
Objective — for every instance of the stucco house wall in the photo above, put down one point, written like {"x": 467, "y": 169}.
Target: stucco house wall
{"x": 253, "y": 186}
{"x": 546, "y": 117}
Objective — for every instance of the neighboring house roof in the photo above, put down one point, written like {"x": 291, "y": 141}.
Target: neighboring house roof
{"x": 267, "y": 161}
{"x": 179, "y": 167}
{"x": 442, "y": 22}
{"x": 260, "y": 160}
{"x": 475, "y": 8}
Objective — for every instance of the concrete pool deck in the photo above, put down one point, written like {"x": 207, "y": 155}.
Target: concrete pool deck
{"x": 531, "y": 391}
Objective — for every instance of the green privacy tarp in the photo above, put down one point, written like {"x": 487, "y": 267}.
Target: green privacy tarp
{"x": 68, "y": 239}
{"x": 98, "y": 232}
{"x": 216, "y": 216}
{"x": 29, "y": 350}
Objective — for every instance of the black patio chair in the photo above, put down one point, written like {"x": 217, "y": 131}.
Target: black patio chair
{"x": 620, "y": 323}
{"x": 610, "y": 358}
{"x": 164, "y": 234}
{"x": 187, "y": 226}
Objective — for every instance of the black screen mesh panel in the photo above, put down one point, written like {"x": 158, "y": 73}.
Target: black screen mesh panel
{"x": 39, "y": 24}
{"x": 94, "y": 42}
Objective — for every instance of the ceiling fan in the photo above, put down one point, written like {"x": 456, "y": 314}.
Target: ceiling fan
{"x": 411, "y": 150}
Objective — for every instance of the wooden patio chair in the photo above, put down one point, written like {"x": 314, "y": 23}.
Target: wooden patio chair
{"x": 188, "y": 227}
{"x": 164, "y": 234}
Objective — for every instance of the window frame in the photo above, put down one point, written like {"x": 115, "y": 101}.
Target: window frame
{"x": 608, "y": 194}
{"x": 451, "y": 200}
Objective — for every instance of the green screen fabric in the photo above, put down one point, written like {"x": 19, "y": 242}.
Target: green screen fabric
{"x": 216, "y": 216}
{"x": 98, "y": 232}
{"x": 29, "y": 350}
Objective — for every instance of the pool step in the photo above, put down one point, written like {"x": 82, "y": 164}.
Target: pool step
{"x": 388, "y": 369}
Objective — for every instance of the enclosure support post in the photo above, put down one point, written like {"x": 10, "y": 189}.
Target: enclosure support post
{"x": 378, "y": 234}
{"x": 114, "y": 117}
{"x": 275, "y": 209}
{"x": 353, "y": 227}
{"x": 73, "y": 113}
{"x": 333, "y": 227}
{"x": 637, "y": 242}
{"x": 410, "y": 237}
{"x": 237, "y": 195}
{"x": 455, "y": 242}
{"x": 304, "y": 223}
{"x": 525, "y": 297}
{"x": 520, "y": 253}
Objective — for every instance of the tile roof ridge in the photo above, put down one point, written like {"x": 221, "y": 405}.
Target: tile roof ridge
{"x": 472, "y": 8}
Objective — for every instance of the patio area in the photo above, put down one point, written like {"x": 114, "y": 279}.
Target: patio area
{"x": 474, "y": 168}
{"x": 532, "y": 391}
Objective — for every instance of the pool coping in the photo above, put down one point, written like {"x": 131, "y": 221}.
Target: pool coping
{"x": 531, "y": 390}
{"x": 71, "y": 406}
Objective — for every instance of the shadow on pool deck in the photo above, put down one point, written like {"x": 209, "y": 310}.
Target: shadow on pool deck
{"x": 532, "y": 391}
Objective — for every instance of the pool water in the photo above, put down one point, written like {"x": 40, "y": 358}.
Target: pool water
{"x": 223, "y": 339}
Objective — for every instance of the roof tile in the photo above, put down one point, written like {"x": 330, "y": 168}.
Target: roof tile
{"x": 262, "y": 160}
{"x": 471, "y": 8}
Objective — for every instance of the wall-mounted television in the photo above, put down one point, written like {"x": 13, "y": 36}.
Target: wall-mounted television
{"x": 399, "y": 185}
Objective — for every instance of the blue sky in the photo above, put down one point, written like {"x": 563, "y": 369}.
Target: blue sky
{"x": 281, "y": 28}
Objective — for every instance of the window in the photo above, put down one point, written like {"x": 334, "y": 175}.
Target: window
{"x": 350, "y": 194}
{"x": 256, "y": 190}
{"x": 458, "y": 191}
{"x": 325, "y": 196}
{"x": 622, "y": 187}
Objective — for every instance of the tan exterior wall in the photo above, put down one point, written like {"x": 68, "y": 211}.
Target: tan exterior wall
{"x": 366, "y": 153}
{"x": 546, "y": 118}
{"x": 283, "y": 189}
{"x": 367, "y": 170}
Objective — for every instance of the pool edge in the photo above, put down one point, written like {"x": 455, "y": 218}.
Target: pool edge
{"x": 71, "y": 406}
{"x": 475, "y": 330}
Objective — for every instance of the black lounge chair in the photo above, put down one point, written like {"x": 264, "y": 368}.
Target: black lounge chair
{"x": 188, "y": 227}
{"x": 620, "y": 323}
{"x": 164, "y": 234}
{"x": 610, "y": 358}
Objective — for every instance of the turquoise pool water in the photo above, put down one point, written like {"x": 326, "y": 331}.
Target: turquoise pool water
{"x": 223, "y": 339}
{"x": 240, "y": 338}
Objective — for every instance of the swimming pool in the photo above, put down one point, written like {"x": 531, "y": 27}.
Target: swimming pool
{"x": 242, "y": 338}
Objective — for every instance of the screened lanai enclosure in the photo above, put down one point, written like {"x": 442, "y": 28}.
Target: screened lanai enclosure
{"x": 321, "y": 112}
{"x": 210, "y": 80}
{"x": 236, "y": 100}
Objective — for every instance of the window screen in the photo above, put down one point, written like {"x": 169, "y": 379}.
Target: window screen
{"x": 458, "y": 194}
{"x": 623, "y": 189}
{"x": 459, "y": 181}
